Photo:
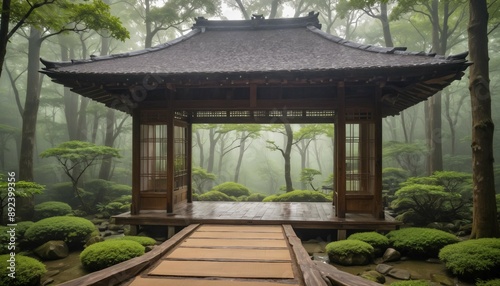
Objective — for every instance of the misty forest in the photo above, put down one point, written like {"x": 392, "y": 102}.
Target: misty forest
{"x": 65, "y": 148}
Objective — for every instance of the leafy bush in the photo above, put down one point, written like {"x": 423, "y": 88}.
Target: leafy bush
{"x": 22, "y": 227}
{"x": 379, "y": 242}
{"x": 28, "y": 271}
{"x": 474, "y": 258}
{"x": 420, "y": 242}
{"x": 64, "y": 192}
{"x": 52, "y": 208}
{"x": 72, "y": 230}
{"x": 350, "y": 248}
{"x": 232, "y": 189}
{"x": 411, "y": 283}
{"x": 215, "y": 196}
{"x": 104, "y": 254}
{"x": 143, "y": 240}
{"x": 494, "y": 282}
{"x": 299, "y": 196}
{"x": 391, "y": 178}
{"x": 255, "y": 197}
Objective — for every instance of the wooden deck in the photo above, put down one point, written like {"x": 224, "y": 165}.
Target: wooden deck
{"x": 298, "y": 215}
{"x": 224, "y": 255}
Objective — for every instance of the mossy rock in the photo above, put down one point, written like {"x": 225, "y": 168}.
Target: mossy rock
{"x": 411, "y": 283}
{"x": 379, "y": 242}
{"x": 420, "y": 242}
{"x": 215, "y": 196}
{"x": 473, "y": 259}
{"x": 52, "y": 208}
{"x": 108, "y": 253}
{"x": 72, "y": 230}
{"x": 232, "y": 189}
{"x": 255, "y": 197}
{"x": 143, "y": 240}
{"x": 299, "y": 196}
{"x": 350, "y": 252}
{"x": 28, "y": 271}
{"x": 494, "y": 282}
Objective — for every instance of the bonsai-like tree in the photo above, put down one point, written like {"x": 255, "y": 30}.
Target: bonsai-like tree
{"x": 76, "y": 157}
{"x": 10, "y": 188}
{"x": 307, "y": 176}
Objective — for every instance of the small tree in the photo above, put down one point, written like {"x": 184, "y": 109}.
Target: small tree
{"x": 307, "y": 176}
{"x": 9, "y": 190}
{"x": 200, "y": 178}
{"x": 79, "y": 155}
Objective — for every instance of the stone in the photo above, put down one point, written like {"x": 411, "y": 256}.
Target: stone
{"x": 52, "y": 250}
{"x": 442, "y": 279}
{"x": 93, "y": 239}
{"x": 374, "y": 276}
{"x": 400, "y": 274}
{"x": 351, "y": 259}
{"x": 391, "y": 255}
{"x": 107, "y": 233}
{"x": 313, "y": 246}
{"x": 320, "y": 256}
{"x": 384, "y": 268}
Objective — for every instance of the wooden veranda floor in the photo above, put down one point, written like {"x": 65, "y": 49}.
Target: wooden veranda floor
{"x": 298, "y": 215}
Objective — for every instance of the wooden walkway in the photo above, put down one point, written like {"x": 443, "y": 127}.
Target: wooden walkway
{"x": 298, "y": 215}
{"x": 224, "y": 255}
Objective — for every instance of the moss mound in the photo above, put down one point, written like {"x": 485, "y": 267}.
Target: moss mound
{"x": 142, "y": 240}
{"x": 494, "y": 282}
{"x": 299, "y": 196}
{"x": 255, "y": 197}
{"x": 350, "y": 252}
{"x": 420, "y": 242}
{"x": 474, "y": 258}
{"x": 215, "y": 196}
{"x": 52, "y": 208}
{"x": 232, "y": 189}
{"x": 22, "y": 227}
{"x": 411, "y": 283}
{"x": 379, "y": 242}
{"x": 108, "y": 253}
{"x": 72, "y": 230}
{"x": 28, "y": 271}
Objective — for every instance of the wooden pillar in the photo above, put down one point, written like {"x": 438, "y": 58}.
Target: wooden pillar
{"x": 136, "y": 162}
{"x": 189, "y": 161}
{"x": 170, "y": 156}
{"x": 378, "y": 207}
{"x": 340, "y": 154}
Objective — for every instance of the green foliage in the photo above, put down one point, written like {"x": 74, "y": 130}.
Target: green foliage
{"x": 52, "y": 208}
{"x": 375, "y": 239}
{"x": 64, "y": 192}
{"x": 474, "y": 258}
{"x": 28, "y": 271}
{"x": 420, "y": 242}
{"x": 307, "y": 176}
{"x": 215, "y": 196}
{"x": 409, "y": 156}
{"x": 11, "y": 189}
{"x": 4, "y": 240}
{"x": 114, "y": 208}
{"x": 494, "y": 282}
{"x": 411, "y": 283}
{"x": 73, "y": 230}
{"x": 142, "y": 240}
{"x": 255, "y": 197}
{"x": 107, "y": 253}
{"x": 232, "y": 189}
{"x": 22, "y": 227}
{"x": 344, "y": 248}
{"x": 200, "y": 178}
{"x": 299, "y": 196}
{"x": 391, "y": 179}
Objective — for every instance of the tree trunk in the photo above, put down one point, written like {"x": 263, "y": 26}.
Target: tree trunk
{"x": 240, "y": 157}
{"x": 4, "y": 31}
{"x": 484, "y": 221}
{"x": 287, "y": 156}
{"x": 109, "y": 140}
{"x": 385, "y": 25}
{"x": 200, "y": 145}
{"x": 28, "y": 135}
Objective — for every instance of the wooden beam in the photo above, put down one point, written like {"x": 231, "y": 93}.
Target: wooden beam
{"x": 378, "y": 208}
{"x": 189, "y": 159}
{"x": 136, "y": 162}
{"x": 340, "y": 154}
{"x": 170, "y": 155}
{"x": 253, "y": 95}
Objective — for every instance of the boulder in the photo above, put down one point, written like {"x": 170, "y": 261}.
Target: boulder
{"x": 52, "y": 250}
{"x": 390, "y": 255}
{"x": 400, "y": 274}
{"x": 351, "y": 259}
{"x": 384, "y": 268}
{"x": 374, "y": 276}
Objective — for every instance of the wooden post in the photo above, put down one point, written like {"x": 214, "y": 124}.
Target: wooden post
{"x": 136, "y": 162}
{"x": 378, "y": 208}
{"x": 170, "y": 155}
{"x": 340, "y": 171}
{"x": 189, "y": 161}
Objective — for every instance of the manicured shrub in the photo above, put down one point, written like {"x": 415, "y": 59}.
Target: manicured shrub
{"x": 420, "y": 242}
{"x": 299, "y": 196}
{"x": 232, "y": 189}
{"x": 72, "y": 230}
{"x": 350, "y": 252}
{"x": 22, "y": 227}
{"x": 494, "y": 282}
{"x": 104, "y": 254}
{"x": 52, "y": 208}
{"x": 474, "y": 258}
{"x": 411, "y": 283}
{"x": 379, "y": 242}
{"x": 215, "y": 196}
{"x": 143, "y": 240}
{"x": 255, "y": 197}
{"x": 28, "y": 271}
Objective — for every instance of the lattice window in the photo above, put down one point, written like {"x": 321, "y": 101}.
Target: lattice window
{"x": 239, "y": 113}
{"x": 320, "y": 113}
{"x": 356, "y": 115}
{"x": 153, "y": 157}
{"x": 180, "y": 161}
{"x": 294, "y": 113}
{"x": 360, "y": 157}
{"x": 211, "y": 114}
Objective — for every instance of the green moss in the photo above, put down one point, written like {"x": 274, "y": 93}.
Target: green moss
{"x": 143, "y": 240}
{"x": 494, "y": 282}
{"x": 22, "y": 227}
{"x": 474, "y": 258}
{"x": 420, "y": 242}
{"x": 232, "y": 189}
{"x": 52, "y": 208}
{"x": 299, "y": 196}
{"x": 375, "y": 239}
{"x": 72, "y": 230}
{"x": 255, "y": 197}
{"x": 411, "y": 283}
{"x": 28, "y": 271}
{"x": 345, "y": 247}
{"x": 215, "y": 196}
{"x": 108, "y": 253}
